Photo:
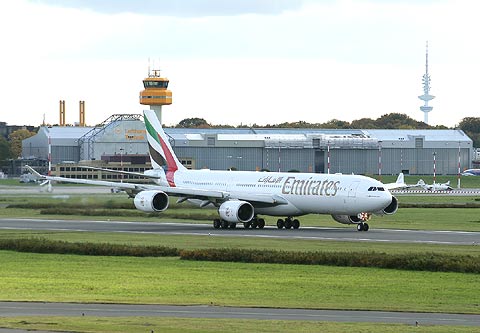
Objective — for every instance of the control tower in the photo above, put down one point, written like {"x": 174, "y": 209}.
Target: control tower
{"x": 425, "y": 108}
{"x": 155, "y": 93}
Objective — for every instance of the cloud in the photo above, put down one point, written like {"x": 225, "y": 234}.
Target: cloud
{"x": 183, "y": 8}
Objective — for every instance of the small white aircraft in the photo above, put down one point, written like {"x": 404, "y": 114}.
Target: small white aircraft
{"x": 242, "y": 196}
{"x": 434, "y": 187}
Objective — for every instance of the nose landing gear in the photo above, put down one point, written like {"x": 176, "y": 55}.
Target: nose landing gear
{"x": 363, "y": 225}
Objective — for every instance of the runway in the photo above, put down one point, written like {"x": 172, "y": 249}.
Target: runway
{"x": 12, "y": 309}
{"x": 310, "y": 233}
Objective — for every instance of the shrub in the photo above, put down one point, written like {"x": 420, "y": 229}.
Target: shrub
{"x": 41, "y": 245}
{"x": 411, "y": 261}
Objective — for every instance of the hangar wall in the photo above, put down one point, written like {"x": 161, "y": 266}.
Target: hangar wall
{"x": 305, "y": 150}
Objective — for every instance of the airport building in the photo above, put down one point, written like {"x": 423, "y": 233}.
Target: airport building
{"x": 119, "y": 143}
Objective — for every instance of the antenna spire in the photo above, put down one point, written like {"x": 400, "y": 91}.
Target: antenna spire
{"x": 426, "y": 90}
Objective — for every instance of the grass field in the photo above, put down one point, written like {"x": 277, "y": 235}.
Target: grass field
{"x": 45, "y": 277}
{"x": 190, "y": 242}
{"x": 74, "y": 278}
{"x": 189, "y": 325}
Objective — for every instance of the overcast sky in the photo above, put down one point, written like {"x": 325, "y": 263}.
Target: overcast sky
{"x": 239, "y": 61}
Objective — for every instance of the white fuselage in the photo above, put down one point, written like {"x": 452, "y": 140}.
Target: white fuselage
{"x": 302, "y": 193}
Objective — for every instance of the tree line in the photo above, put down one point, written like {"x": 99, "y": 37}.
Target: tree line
{"x": 11, "y": 147}
{"x": 470, "y": 125}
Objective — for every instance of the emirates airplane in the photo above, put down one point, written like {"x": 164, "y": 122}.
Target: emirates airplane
{"x": 244, "y": 196}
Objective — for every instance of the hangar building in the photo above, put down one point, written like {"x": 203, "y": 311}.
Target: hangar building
{"x": 120, "y": 142}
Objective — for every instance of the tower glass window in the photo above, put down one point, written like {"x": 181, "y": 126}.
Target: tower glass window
{"x": 155, "y": 84}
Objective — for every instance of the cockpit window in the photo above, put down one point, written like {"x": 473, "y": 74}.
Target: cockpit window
{"x": 374, "y": 188}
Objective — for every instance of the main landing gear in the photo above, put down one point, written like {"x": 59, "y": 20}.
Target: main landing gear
{"x": 363, "y": 226}
{"x": 288, "y": 223}
{"x": 254, "y": 223}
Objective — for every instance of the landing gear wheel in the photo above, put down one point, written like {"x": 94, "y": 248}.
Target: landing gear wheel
{"x": 280, "y": 223}
{"x": 365, "y": 227}
{"x": 232, "y": 225}
{"x": 261, "y": 223}
{"x": 216, "y": 223}
{"x": 288, "y": 224}
{"x": 254, "y": 224}
{"x": 246, "y": 225}
{"x": 296, "y": 224}
{"x": 224, "y": 224}
{"x": 360, "y": 227}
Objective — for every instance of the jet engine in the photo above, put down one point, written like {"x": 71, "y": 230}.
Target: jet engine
{"x": 151, "y": 201}
{"x": 236, "y": 211}
{"x": 390, "y": 209}
{"x": 347, "y": 219}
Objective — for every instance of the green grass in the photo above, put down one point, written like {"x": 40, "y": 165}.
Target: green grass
{"x": 73, "y": 278}
{"x": 190, "y": 242}
{"x": 191, "y": 325}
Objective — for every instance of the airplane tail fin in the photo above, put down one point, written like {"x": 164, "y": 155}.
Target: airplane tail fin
{"x": 400, "y": 178}
{"x": 161, "y": 152}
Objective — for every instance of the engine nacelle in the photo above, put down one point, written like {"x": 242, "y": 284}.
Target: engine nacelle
{"x": 347, "y": 219}
{"x": 151, "y": 201}
{"x": 236, "y": 211}
{"x": 390, "y": 209}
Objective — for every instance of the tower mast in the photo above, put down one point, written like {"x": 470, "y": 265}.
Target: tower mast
{"x": 425, "y": 108}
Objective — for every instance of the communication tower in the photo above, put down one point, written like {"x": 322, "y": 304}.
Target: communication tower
{"x": 425, "y": 108}
{"x": 155, "y": 93}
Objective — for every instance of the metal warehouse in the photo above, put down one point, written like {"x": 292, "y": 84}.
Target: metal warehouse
{"x": 121, "y": 141}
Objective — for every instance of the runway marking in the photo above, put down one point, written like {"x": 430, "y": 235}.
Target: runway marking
{"x": 199, "y": 230}
{"x": 206, "y": 311}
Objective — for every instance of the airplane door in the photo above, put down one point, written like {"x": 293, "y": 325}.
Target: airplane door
{"x": 352, "y": 189}
{"x": 352, "y": 194}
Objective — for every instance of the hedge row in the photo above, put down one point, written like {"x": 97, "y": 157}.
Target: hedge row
{"x": 123, "y": 212}
{"x": 412, "y": 261}
{"x": 40, "y": 245}
{"x": 45, "y": 205}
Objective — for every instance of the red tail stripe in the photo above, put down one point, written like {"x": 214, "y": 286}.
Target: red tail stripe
{"x": 171, "y": 164}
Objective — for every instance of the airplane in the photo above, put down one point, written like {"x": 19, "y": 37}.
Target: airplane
{"x": 471, "y": 172}
{"x": 434, "y": 187}
{"x": 243, "y": 196}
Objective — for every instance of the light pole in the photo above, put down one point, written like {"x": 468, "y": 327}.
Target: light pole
{"x": 121, "y": 164}
{"x": 328, "y": 157}
{"x": 380, "y": 160}
{"x": 458, "y": 176}
{"x": 434, "y": 166}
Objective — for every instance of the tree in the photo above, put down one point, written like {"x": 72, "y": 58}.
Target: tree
{"x": 16, "y": 139}
{"x": 364, "y": 123}
{"x": 193, "y": 123}
{"x": 471, "y": 127}
{"x": 399, "y": 121}
{"x": 5, "y": 152}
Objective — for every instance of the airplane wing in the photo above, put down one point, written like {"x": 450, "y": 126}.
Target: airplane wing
{"x": 185, "y": 193}
{"x": 125, "y": 186}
